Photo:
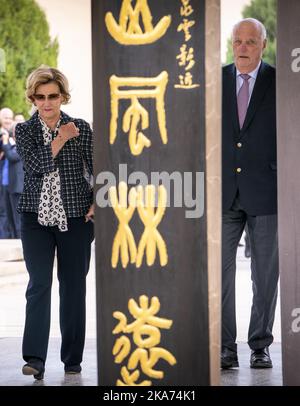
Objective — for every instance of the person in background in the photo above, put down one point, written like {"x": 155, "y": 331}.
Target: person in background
{"x": 56, "y": 211}
{"x": 6, "y": 121}
{"x": 249, "y": 189}
{"x": 14, "y": 188}
{"x": 19, "y": 118}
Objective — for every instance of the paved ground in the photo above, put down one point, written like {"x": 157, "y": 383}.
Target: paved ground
{"x": 13, "y": 280}
{"x": 11, "y": 375}
{"x": 246, "y": 376}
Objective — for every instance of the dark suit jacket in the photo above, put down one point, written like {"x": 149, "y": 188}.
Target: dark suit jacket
{"x": 15, "y": 169}
{"x": 256, "y": 156}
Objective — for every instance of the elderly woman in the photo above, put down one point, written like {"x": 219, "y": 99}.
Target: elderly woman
{"x": 56, "y": 212}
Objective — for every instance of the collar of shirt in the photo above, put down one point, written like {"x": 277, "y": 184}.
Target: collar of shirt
{"x": 253, "y": 76}
{"x": 47, "y": 128}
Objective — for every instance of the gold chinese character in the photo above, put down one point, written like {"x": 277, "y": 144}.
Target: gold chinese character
{"x": 148, "y": 361}
{"x": 144, "y": 314}
{"x": 121, "y": 349}
{"x": 124, "y": 240}
{"x": 146, "y": 336}
{"x": 186, "y": 82}
{"x": 186, "y": 10}
{"x": 186, "y": 58}
{"x": 129, "y": 31}
{"x": 185, "y": 27}
{"x": 130, "y": 379}
{"x": 151, "y": 237}
{"x": 136, "y": 116}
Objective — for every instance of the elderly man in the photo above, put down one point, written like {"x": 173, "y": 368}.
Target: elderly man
{"x": 249, "y": 189}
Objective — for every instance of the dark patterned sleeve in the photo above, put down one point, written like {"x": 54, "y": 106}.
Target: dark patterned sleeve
{"x": 86, "y": 144}
{"x": 36, "y": 159}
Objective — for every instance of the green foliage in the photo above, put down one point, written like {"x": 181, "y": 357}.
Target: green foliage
{"x": 264, "y": 11}
{"x": 229, "y": 54}
{"x": 25, "y": 39}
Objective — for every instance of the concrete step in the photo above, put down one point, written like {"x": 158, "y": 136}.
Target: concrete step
{"x": 11, "y": 267}
{"x": 11, "y": 250}
{"x": 12, "y": 273}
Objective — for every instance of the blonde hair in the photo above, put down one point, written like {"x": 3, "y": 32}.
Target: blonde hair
{"x": 44, "y": 75}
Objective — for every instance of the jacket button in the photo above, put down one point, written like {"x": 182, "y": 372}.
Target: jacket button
{"x": 239, "y": 170}
{"x": 239, "y": 145}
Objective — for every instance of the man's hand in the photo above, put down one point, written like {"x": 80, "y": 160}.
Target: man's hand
{"x": 5, "y": 137}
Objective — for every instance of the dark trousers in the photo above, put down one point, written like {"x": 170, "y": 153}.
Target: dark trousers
{"x": 73, "y": 257}
{"x": 247, "y": 240}
{"x": 4, "y": 231}
{"x": 264, "y": 275}
{"x": 13, "y": 217}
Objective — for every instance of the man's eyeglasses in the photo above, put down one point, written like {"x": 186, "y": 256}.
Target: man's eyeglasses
{"x": 52, "y": 96}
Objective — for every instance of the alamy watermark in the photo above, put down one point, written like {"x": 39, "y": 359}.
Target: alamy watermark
{"x": 295, "y": 66}
{"x": 183, "y": 189}
{"x": 296, "y": 322}
{"x": 2, "y": 61}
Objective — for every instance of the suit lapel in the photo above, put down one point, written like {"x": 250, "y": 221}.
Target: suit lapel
{"x": 261, "y": 84}
{"x": 231, "y": 93}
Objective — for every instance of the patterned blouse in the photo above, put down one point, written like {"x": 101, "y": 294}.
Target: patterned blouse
{"x": 73, "y": 160}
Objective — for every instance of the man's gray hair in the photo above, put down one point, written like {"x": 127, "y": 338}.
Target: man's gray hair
{"x": 253, "y": 21}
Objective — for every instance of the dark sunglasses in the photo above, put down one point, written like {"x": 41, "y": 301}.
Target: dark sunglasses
{"x": 52, "y": 96}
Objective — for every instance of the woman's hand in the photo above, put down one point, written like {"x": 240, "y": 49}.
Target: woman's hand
{"x": 90, "y": 214}
{"x": 68, "y": 131}
{"x": 65, "y": 133}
